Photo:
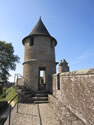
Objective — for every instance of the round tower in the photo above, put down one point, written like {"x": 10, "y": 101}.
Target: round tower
{"x": 39, "y": 58}
{"x": 63, "y": 66}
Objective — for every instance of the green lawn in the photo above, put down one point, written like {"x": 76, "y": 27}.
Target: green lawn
{"x": 10, "y": 94}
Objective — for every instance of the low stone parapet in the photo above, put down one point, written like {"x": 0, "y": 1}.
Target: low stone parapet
{"x": 76, "y": 91}
{"x": 64, "y": 115}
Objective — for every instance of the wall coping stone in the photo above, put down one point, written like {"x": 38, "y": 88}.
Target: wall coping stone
{"x": 79, "y": 72}
{"x": 54, "y": 75}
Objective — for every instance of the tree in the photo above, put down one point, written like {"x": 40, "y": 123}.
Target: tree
{"x": 7, "y": 60}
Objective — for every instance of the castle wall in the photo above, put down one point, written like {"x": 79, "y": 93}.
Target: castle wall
{"x": 64, "y": 115}
{"x": 76, "y": 94}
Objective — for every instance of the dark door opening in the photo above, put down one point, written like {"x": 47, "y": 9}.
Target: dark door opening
{"x": 42, "y": 79}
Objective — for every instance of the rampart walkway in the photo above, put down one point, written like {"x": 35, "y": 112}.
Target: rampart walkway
{"x": 35, "y": 114}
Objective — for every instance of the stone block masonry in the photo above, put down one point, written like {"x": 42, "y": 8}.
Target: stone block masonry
{"x": 64, "y": 115}
{"x": 39, "y": 55}
{"x": 76, "y": 93}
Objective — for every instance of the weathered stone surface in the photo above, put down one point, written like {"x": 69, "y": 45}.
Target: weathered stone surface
{"x": 63, "y": 66}
{"x": 62, "y": 112}
{"x": 40, "y": 55}
{"x": 77, "y": 93}
{"x": 48, "y": 116}
{"x": 77, "y": 122}
{"x": 34, "y": 114}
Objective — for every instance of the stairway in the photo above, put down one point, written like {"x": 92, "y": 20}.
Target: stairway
{"x": 40, "y": 97}
{"x": 26, "y": 96}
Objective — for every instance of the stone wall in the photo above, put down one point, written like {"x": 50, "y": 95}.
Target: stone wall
{"x": 38, "y": 56}
{"x": 76, "y": 93}
{"x": 64, "y": 115}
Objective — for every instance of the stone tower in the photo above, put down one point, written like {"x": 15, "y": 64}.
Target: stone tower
{"x": 63, "y": 66}
{"x": 39, "y": 58}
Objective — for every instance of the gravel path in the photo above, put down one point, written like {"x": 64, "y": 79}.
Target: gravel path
{"x": 35, "y": 114}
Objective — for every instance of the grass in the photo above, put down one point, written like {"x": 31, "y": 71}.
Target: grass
{"x": 10, "y": 94}
{"x": 0, "y": 96}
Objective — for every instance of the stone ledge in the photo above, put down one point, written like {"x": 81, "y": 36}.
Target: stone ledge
{"x": 79, "y": 72}
{"x": 36, "y": 61}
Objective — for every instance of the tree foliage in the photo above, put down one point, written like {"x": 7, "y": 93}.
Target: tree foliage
{"x": 7, "y": 60}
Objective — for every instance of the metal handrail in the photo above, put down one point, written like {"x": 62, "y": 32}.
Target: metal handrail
{"x": 9, "y": 121}
{"x": 19, "y": 75}
{"x": 16, "y": 76}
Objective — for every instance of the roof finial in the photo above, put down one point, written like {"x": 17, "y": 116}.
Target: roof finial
{"x": 40, "y": 18}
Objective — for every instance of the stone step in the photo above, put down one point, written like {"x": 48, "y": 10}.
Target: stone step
{"x": 34, "y": 100}
{"x": 41, "y": 94}
{"x": 29, "y": 99}
{"x": 39, "y": 102}
{"x": 27, "y": 92}
{"x": 26, "y": 101}
{"x": 40, "y": 98}
{"x": 27, "y": 96}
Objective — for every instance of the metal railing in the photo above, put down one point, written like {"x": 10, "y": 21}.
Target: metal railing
{"x": 16, "y": 83}
{"x": 16, "y": 78}
{"x": 10, "y": 108}
{"x": 16, "y": 106}
{"x": 22, "y": 86}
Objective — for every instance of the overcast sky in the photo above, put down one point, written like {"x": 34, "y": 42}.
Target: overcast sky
{"x": 71, "y": 22}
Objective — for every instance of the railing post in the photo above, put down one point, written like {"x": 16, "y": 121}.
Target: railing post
{"x": 9, "y": 114}
{"x": 17, "y": 103}
{"x": 17, "y": 80}
{"x": 14, "y": 79}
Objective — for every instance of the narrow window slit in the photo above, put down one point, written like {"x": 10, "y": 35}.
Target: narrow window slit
{"x": 31, "y": 41}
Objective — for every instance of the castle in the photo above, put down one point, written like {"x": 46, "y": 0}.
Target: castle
{"x": 39, "y": 58}
{"x": 72, "y": 93}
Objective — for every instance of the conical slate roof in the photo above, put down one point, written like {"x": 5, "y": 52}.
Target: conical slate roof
{"x": 64, "y": 61}
{"x": 39, "y": 29}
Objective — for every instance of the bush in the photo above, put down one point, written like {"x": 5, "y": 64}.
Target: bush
{"x": 9, "y": 90}
{"x": 9, "y": 95}
{"x": 4, "y": 90}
